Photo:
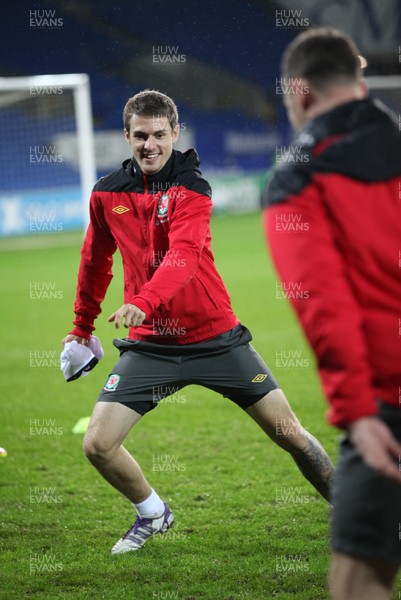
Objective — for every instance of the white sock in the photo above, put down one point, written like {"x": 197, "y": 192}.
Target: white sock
{"x": 151, "y": 508}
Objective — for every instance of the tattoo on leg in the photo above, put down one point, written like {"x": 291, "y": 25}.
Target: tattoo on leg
{"x": 315, "y": 465}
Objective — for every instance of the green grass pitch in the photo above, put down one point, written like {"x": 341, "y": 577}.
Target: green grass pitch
{"x": 248, "y": 526}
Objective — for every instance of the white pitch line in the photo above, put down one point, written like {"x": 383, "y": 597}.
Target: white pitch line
{"x": 41, "y": 242}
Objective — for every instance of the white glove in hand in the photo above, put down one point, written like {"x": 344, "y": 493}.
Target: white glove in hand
{"x": 77, "y": 360}
{"x": 96, "y": 347}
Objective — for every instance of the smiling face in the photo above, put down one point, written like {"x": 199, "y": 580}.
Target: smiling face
{"x": 151, "y": 140}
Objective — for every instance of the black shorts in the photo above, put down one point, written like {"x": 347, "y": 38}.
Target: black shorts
{"x": 147, "y": 372}
{"x": 366, "y": 518}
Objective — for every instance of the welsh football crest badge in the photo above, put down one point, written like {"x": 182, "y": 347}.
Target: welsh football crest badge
{"x": 112, "y": 383}
{"x": 162, "y": 208}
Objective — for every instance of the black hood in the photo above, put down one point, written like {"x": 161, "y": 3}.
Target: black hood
{"x": 181, "y": 169}
{"x": 365, "y": 144}
{"x": 369, "y": 148}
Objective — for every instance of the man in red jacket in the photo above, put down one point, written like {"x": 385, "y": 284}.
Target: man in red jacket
{"x": 182, "y": 330}
{"x": 333, "y": 222}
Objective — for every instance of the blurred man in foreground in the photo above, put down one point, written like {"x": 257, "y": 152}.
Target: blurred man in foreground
{"x": 333, "y": 223}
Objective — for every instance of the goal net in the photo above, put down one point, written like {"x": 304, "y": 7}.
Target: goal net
{"x": 47, "y": 161}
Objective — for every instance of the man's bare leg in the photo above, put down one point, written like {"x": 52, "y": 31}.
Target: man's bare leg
{"x": 109, "y": 425}
{"x": 275, "y": 416}
{"x": 353, "y": 578}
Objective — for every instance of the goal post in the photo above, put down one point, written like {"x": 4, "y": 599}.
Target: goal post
{"x": 47, "y": 155}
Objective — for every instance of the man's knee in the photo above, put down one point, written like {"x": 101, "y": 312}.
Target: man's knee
{"x": 98, "y": 449}
{"x": 109, "y": 425}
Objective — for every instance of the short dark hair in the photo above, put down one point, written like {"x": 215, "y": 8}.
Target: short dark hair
{"x": 322, "y": 56}
{"x": 150, "y": 103}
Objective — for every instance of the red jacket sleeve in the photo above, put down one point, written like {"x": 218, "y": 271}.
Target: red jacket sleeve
{"x": 189, "y": 226}
{"x": 95, "y": 270}
{"x": 308, "y": 260}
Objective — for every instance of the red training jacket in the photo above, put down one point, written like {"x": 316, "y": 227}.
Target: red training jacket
{"x": 333, "y": 222}
{"x": 160, "y": 224}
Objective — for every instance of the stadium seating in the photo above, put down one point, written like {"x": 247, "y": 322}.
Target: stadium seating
{"x": 102, "y": 38}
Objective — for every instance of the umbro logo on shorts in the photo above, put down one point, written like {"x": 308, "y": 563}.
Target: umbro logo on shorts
{"x": 259, "y": 378}
{"x": 120, "y": 209}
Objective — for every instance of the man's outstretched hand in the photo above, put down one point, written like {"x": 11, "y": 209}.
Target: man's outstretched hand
{"x": 377, "y": 446}
{"x": 131, "y": 315}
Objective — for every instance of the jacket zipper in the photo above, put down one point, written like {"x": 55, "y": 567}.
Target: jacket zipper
{"x": 147, "y": 226}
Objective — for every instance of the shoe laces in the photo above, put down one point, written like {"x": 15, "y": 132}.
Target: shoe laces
{"x": 142, "y": 528}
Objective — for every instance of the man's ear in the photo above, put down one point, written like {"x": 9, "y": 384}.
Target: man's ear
{"x": 307, "y": 98}
{"x": 126, "y": 134}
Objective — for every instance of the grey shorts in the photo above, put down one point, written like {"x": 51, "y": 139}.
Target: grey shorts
{"x": 366, "y": 518}
{"x": 147, "y": 372}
